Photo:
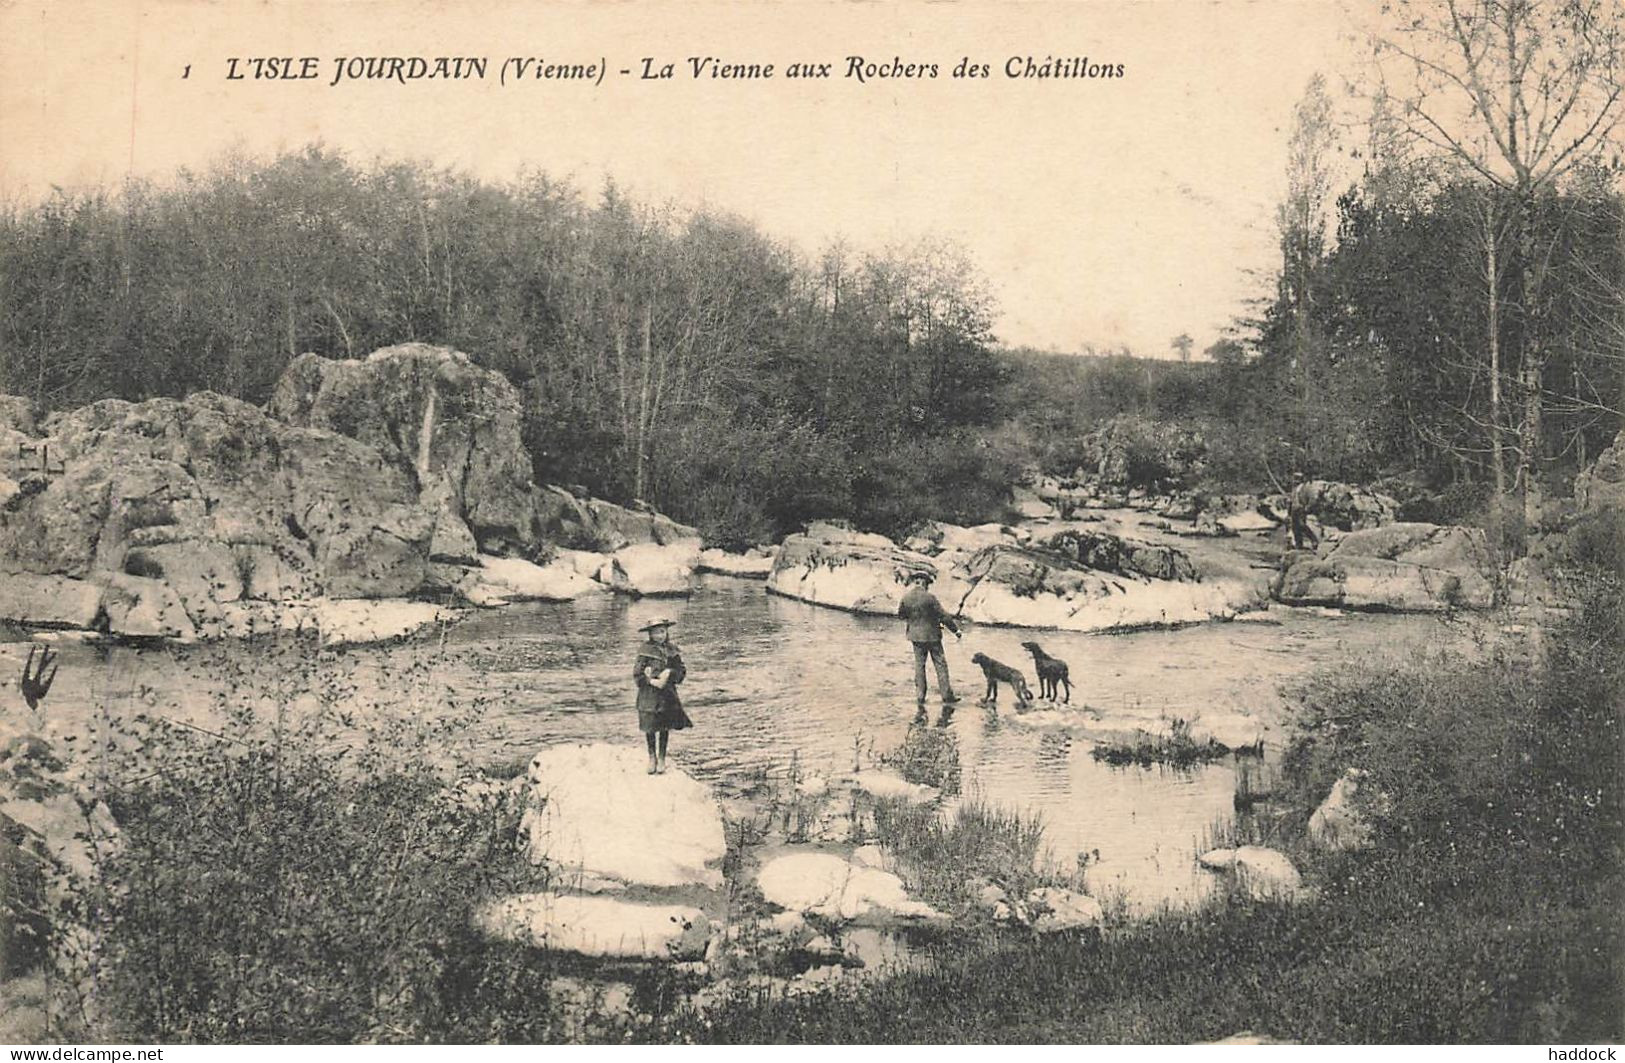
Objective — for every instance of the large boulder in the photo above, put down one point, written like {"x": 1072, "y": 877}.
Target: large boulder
{"x": 1341, "y": 507}
{"x": 600, "y": 927}
{"x": 856, "y": 571}
{"x": 1602, "y": 486}
{"x": 437, "y": 418}
{"x": 215, "y": 501}
{"x": 594, "y": 811}
{"x": 49, "y": 601}
{"x": 575, "y": 521}
{"x": 1023, "y": 587}
{"x": 1407, "y": 567}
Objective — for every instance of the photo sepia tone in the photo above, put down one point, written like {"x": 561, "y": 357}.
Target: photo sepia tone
{"x": 694, "y": 522}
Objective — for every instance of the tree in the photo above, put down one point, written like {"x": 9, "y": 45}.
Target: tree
{"x": 1519, "y": 93}
{"x": 1183, "y": 344}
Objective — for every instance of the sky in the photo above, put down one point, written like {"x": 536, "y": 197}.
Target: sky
{"x": 1103, "y": 211}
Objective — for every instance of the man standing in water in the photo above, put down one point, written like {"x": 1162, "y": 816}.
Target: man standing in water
{"x": 926, "y": 619}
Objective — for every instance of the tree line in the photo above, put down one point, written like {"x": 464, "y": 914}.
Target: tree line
{"x": 1468, "y": 321}
{"x": 684, "y": 358}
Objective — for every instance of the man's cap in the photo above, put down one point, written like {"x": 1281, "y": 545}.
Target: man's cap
{"x": 658, "y": 622}
{"x": 920, "y": 576}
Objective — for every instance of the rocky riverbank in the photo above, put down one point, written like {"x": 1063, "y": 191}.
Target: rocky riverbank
{"x": 369, "y": 498}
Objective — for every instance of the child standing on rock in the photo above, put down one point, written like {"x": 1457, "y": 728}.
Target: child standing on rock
{"x": 658, "y": 670}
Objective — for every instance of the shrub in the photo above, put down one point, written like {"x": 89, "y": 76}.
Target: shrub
{"x": 947, "y": 860}
{"x": 305, "y": 873}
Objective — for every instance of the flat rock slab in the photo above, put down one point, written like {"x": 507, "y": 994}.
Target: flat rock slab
{"x": 830, "y": 886}
{"x": 885, "y": 784}
{"x": 598, "y": 926}
{"x": 755, "y": 564}
{"x": 354, "y": 621}
{"x": 594, "y": 809}
{"x": 499, "y": 580}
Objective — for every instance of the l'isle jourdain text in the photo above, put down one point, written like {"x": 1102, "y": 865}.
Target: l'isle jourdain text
{"x": 863, "y": 69}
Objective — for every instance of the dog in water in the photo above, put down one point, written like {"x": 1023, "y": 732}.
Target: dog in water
{"x": 1052, "y": 673}
{"x": 997, "y": 673}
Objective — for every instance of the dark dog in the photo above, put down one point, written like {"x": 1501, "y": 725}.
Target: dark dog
{"x": 1051, "y": 673}
{"x": 997, "y": 673}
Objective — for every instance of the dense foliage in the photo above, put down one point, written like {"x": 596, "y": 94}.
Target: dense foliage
{"x": 682, "y": 357}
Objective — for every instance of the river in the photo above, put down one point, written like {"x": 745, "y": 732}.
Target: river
{"x": 770, "y": 678}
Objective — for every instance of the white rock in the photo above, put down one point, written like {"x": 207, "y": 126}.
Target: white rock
{"x": 885, "y": 784}
{"x": 992, "y": 897}
{"x": 1055, "y": 910}
{"x": 1265, "y": 874}
{"x": 827, "y": 885}
{"x": 869, "y": 856}
{"x": 145, "y": 608}
{"x": 652, "y": 569}
{"x": 1247, "y": 522}
{"x": 513, "y": 579}
{"x": 356, "y": 621}
{"x": 595, "y": 809}
{"x": 67, "y": 831}
{"x": 855, "y": 571}
{"x": 1337, "y": 824}
{"x": 598, "y": 926}
{"x": 753, "y": 565}
{"x": 1116, "y": 602}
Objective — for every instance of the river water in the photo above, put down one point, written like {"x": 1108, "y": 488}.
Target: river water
{"x": 771, "y": 679}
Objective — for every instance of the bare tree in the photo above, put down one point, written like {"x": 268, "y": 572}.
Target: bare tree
{"x": 1519, "y": 93}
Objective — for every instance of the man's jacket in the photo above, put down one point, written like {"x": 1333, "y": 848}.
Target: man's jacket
{"x": 925, "y": 615}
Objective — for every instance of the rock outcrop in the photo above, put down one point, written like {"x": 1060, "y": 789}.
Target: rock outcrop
{"x": 594, "y": 812}
{"x": 387, "y": 478}
{"x": 835, "y": 566}
{"x": 495, "y": 581}
{"x": 1031, "y": 587}
{"x": 1053, "y": 910}
{"x": 448, "y": 425}
{"x": 1340, "y": 507}
{"x": 1073, "y": 580}
{"x": 1408, "y": 567}
{"x": 577, "y": 522}
{"x": 168, "y": 511}
{"x": 652, "y": 569}
{"x": 754, "y": 563}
